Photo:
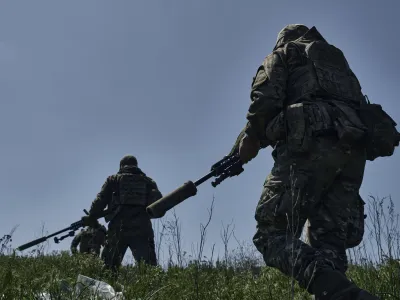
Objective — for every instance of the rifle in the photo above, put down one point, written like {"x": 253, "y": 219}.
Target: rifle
{"x": 72, "y": 228}
{"x": 229, "y": 166}
{"x": 71, "y": 233}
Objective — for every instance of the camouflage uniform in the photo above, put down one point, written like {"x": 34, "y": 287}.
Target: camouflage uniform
{"x": 355, "y": 229}
{"x": 127, "y": 194}
{"x": 89, "y": 240}
{"x": 304, "y": 100}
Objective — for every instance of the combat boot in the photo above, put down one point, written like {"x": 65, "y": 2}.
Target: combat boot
{"x": 334, "y": 285}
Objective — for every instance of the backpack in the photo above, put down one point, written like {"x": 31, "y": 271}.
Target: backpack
{"x": 382, "y": 136}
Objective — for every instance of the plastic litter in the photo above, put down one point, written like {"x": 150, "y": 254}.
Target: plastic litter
{"x": 97, "y": 288}
{"x": 87, "y": 286}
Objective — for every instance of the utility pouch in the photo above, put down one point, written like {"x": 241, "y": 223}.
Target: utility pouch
{"x": 382, "y": 136}
{"x": 319, "y": 115}
{"x": 350, "y": 129}
{"x": 298, "y": 135}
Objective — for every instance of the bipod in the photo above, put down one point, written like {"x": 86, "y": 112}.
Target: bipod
{"x": 57, "y": 240}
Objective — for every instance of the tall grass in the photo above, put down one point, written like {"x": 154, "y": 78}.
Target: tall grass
{"x": 238, "y": 274}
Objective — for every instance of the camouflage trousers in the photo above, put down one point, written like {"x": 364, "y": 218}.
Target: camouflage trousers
{"x": 321, "y": 186}
{"x": 118, "y": 242}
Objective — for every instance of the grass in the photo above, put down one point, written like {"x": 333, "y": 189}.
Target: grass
{"x": 239, "y": 274}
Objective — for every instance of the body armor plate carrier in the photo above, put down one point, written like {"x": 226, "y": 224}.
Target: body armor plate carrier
{"x": 333, "y": 72}
{"x": 132, "y": 190}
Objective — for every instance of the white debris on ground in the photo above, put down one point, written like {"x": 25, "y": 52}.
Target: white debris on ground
{"x": 99, "y": 290}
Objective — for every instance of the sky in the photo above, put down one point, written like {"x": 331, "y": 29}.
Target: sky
{"x": 83, "y": 83}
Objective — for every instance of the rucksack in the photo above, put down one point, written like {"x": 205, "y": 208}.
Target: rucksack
{"x": 382, "y": 136}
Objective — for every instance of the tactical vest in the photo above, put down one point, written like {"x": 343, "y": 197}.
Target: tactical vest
{"x": 323, "y": 72}
{"x": 95, "y": 237}
{"x": 132, "y": 190}
{"x": 88, "y": 241}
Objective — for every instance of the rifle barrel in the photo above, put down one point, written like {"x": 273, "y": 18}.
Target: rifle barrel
{"x": 32, "y": 243}
{"x": 73, "y": 226}
{"x": 42, "y": 239}
{"x": 204, "y": 178}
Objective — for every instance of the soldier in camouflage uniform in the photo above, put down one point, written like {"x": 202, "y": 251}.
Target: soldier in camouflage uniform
{"x": 304, "y": 99}
{"x": 127, "y": 194}
{"x": 89, "y": 240}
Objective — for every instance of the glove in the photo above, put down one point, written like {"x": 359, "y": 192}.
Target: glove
{"x": 89, "y": 221}
{"x": 248, "y": 148}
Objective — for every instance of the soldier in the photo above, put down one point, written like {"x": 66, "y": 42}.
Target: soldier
{"x": 89, "y": 240}
{"x": 304, "y": 99}
{"x": 127, "y": 194}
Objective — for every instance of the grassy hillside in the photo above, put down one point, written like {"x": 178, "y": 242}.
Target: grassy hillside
{"x": 240, "y": 274}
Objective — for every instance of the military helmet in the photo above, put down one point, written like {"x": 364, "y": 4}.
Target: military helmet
{"x": 290, "y": 33}
{"x": 128, "y": 160}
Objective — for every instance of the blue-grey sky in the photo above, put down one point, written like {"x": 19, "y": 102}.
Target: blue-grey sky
{"x": 84, "y": 82}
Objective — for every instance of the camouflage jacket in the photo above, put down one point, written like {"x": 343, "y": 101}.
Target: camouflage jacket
{"x": 89, "y": 239}
{"x": 126, "y": 217}
{"x": 295, "y": 72}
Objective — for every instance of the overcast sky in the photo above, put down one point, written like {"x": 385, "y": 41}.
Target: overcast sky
{"x": 83, "y": 83}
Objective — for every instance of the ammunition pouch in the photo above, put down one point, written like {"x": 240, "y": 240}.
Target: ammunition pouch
{"x": 306, "y": 121}
{"x": 382, "y": 136}
{"x": 300, "y": 123}
{"x": 298, "y": 135}
{"x": 319, "y": 115}
{"x": 349, "y": 127}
